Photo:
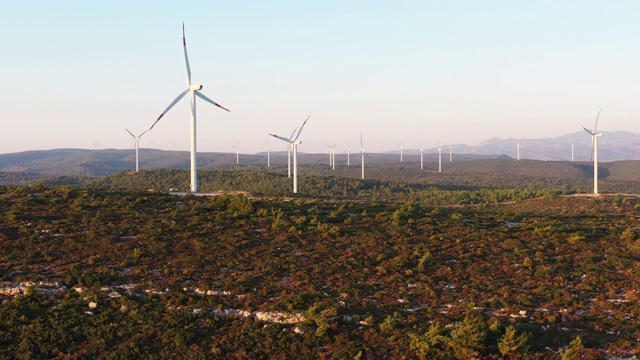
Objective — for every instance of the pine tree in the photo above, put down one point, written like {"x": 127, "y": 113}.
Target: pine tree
{"x": 510, "y": 344}
{"x": 573, "y": 350}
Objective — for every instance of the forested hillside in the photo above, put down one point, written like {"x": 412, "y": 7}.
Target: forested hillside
{"x": 96, "y": 273}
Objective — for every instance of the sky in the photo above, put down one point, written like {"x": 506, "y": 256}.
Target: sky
{"x": 74, "y": 74}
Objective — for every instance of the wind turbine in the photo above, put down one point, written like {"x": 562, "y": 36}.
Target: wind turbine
{"x": 331, "y": 156}
{"x": 571, "y": 152}
{"x": 518, "y": 149}
{"x": 450, "y": 152}
{"x": 348, "y": 155}
{"x": 289, "y": 154}
{"x": 401, "y": 145}
{"x": 136, "y": 140}
{"x": 268, "y": 154}
{"x": 594, "y": 143}
{"x": 193, "y": 90}
{"x": 237, "y": 147}
{"x": 294, "y": 142}
{"x": 421, "y": 156}
{"x": 439, "y": 157}
{"x": 362, "y": 151}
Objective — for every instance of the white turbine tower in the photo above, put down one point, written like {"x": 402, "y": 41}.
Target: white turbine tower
{"x": 268, "y": 154}
{"x": 194, "y": 91}
{"x": 439, "y": 157}
{"x": 421, "y": 156}
{"x": 294, "y": 142}
{"x": 450, "y": 153}
{"x": 362, "y": 151}
{"x": 136, "y": 140}
{"x": 289, "y": 154}
{"x": 401, "y": 146}
{"x": 237, "y": 147}
{"x": 594, "y": 143}
{"x": 571, "y": 152}
{"x": 348, "y": 155}
{"x": 518, "y": 149}
{"x": 331, "y": 157}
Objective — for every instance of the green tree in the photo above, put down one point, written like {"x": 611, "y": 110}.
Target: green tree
{"x": 511, "y": 344}
{"x": 573, "y": 350}
{"x": 467, "y": 340}
{"x": 431, "y": 344}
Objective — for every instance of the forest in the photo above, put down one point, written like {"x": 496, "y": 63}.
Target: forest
{"x": 491, "y": 267}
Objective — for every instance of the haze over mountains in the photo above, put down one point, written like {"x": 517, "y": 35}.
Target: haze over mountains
{"x": 612, "y": 146}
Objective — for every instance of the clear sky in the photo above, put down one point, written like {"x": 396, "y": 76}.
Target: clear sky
{"x": 73, "y": 74}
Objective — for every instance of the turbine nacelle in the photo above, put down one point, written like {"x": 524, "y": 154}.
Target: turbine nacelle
{"x": 195, "y": 87}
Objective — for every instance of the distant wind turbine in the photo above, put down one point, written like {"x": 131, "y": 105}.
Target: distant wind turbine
{"x": 268, "y": 154}
{"x": 401, "y": 145}
{"x": 194, "y": 91}
{"x": 237, "y": 147}
{"x": 450, "y": 153}
{"x": 348, "y": 155}
{"x": 439, "y": 157}
{"x": 136, "y": 140}
{"x": 421, "y": 156}
{"x": 518, "y": 149}
{"x": 571, "y": 152}
{"x": 294, "y": 144}
{"x": 332, "y": 156}
{"x": 594, "y": 143}
{"x": 289, "y": 154}
{"x": 362, "y": 151}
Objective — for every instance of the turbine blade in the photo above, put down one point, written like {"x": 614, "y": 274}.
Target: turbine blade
{"x": 281, "y": 138}
{"x": 186, "y": 57}
{"x": 130, "y": 133}
{"x": 301, "y": 127}
{"x": 587, "y": 130}
{"x": 596, "y": 124}
{"x": 169, "y": 107}
{"x": 201, "y": 96}
{"x": 139, "y": 136}
{"x": 361, "y": 146}
{"x": 294, "y": 131}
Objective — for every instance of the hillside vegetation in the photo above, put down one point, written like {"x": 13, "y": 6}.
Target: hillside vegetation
{"x": 389, "y": 270}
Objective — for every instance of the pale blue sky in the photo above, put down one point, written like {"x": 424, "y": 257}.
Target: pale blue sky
{"x": 75, "y": 73}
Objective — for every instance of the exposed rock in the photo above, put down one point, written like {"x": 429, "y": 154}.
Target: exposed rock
{"x": 279, "y": 317}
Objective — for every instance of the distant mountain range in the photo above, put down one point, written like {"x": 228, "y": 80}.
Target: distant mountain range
{"x": 613, "y": 146}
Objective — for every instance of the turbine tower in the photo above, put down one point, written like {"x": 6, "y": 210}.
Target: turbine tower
{"x": 571, "y": 152}
{"x": 348, "y": 155}
{"x": 289, "y": 154}
{"x": 136, "y": 140}
{"x": 268, "y": 154}
{"x": 332, "y": 156}
{"x": 193, "y": 90}
{"x": 450, "y": 153}
{"x": 362, "y": 151}
{"x": 421, "y": 156}
{"x": 237, "y": 147}
{"x": 439, "y": 157}
{"x": 401, "y": 145}
{"x": 294, "y": 142}
{"x": 594, "y": 143}
{"x": 518, "y": 149}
